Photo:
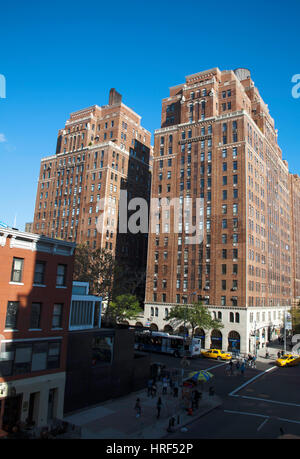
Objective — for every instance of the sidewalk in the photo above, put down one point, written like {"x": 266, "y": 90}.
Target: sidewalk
{"x": 116, "y": 419}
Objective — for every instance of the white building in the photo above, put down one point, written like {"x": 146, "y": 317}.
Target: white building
{"x": 243, "y": 327}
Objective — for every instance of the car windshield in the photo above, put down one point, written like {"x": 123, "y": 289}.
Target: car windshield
{"x": 286, "y": 356}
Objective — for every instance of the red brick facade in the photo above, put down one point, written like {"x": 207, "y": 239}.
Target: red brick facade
{"x": 218, "y": 141}
{"x": 34, "y": 313}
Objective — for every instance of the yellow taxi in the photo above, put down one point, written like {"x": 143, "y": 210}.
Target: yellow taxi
{"x": 288, "y": 360}
{"x": 216, "y": 354}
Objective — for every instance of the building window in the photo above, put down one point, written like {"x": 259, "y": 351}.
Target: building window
{"x": 12, "y": 315}
{"x": 61, "y": 275}
{"x": 53, "y": 360}
{"x": 57, "y": 316}
{"x": 39, "y": 272}
{"x": 102, "y": 348}
{"x": 35, "y": 315}
{"x": 17, "y": 270}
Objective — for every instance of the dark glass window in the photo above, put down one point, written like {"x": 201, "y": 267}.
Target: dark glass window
{"x": 57, "y": 316}
{"x": 102, "y": 350}
{"x": 61, "y": 275}
{"x": 39, "y": 272}
{"x": 12, "y": 314}
{"x": 35, "y": 316}
{"x": 53, "y": 360}
{"x": 17, "y": 270}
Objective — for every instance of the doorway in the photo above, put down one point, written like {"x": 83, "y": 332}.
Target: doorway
{"x": 12, "y": 412}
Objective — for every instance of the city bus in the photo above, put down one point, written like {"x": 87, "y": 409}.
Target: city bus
{"x": 164, "y": 343}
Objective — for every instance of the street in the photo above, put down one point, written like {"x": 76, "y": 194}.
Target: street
{"x": 264, "y": 403}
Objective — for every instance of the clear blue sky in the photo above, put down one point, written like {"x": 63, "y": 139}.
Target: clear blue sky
{"x": 62, "y": 56}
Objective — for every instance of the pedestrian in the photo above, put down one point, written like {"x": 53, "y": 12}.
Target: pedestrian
{"x": 267, "y": 353}
{"x": 238, "y": 365}
{"x": 197, "y": 397}
{"x": 231, "y": 367}
{"x": 253, "y": 362}
{"x": 278, "y": 354}
{"x": 159, "y": 372}
{"x": 138, "y": 408}
{"x": 165, "y": 386}
{"x": 153, "y": 390}
{"x": 158, "y": 407}
{"x": 149, "y": 387}
{"x": 243, "y": 368}
{"x": 282, "y": 353}
{"x": 175, "y": 390}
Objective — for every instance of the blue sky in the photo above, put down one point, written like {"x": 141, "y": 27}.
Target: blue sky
{"x": 66, "y": 55}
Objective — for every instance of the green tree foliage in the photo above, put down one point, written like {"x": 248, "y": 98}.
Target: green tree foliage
{"x": 124, "y": 307}
{"x": 106, "y": 277}
{"x": 295, "y": 313}
{"x": 192, "y": 317}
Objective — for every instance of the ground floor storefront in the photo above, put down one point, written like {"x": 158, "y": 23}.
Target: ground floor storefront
{"x": 245, "y": 329}
{"x": 35, "y": 402}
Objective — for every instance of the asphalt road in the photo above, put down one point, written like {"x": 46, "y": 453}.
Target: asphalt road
{"x": 259, "y": 405}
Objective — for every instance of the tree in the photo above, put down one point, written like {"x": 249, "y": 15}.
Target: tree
{"x": 106, "y": 277}
{"x": 295, "y": 313}
{"x": 100, "y": 269}
{"x": 124, "y": 307}
{"x": 192, "y": 317}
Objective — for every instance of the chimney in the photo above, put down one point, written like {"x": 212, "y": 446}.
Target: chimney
{"x": 114, "y": 97}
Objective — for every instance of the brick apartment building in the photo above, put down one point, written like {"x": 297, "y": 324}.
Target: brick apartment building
{"x": 100, "y": 151}
{"x": 218, "y": 142}
{"x": 295, "y": 222}
{"x": 35, "y": 294}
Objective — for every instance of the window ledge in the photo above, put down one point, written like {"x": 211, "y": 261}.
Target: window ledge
{"x": 16, "y": 283}
{"x": 56, "y": 328}
{"x": 10, "y": 330}
{"x": 39, "y": 285}
{"x": 34, "y": 329}
{"x": 61, "y": 286}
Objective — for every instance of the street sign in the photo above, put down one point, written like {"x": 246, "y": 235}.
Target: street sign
{"x": 288, "y": 321}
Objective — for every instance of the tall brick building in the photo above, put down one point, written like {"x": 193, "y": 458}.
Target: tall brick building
{"x": 100, "y": 151}
{"x": 218, "y": 142}
{"x": 295, "y": 222}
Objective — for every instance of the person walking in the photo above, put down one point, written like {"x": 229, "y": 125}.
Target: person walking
{"x": 165, "y": 386}
{"x": 138, "y": 408}
{"x": 253, "y": 364}
{"x": 153, "y": 390}
{"x": 175, "y": 390}
{"x": 279, "y": 354}
{"x": 231, "y": 367}
{"x": 197, "y": 397}
{"x": 243, "y": 368}
{"x": 149, "y": 387}
{"x": 158, "y": 407}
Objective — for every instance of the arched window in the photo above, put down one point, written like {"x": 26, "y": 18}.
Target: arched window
{"x": 237, "y": 317}
{"x": 219, "y": 315}
{"x": 156, "y": 312}
{"x": 231, "y": 317}
{"x": 152, "y": 311}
